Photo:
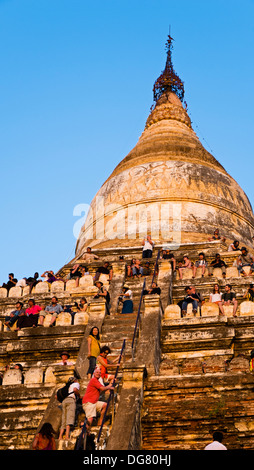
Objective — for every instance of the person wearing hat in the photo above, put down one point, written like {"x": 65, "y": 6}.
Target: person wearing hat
{"x": 102, "y": 292}
{"x": 126, "y": 299}
{"x": 65, "y": 356}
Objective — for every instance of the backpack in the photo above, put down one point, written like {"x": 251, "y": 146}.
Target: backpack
{"x": 63, "y": 392}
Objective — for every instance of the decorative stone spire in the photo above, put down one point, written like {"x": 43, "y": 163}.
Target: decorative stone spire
{"x": 168, "y": 81}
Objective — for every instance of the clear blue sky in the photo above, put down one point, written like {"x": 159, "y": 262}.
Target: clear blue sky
{"x": 75, "y": 92}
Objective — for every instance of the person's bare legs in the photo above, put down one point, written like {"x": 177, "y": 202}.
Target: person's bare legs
{"x": 102, "y": 414}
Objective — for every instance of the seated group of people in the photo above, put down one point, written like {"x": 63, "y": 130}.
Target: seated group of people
{"x": 228, "y": 297}
{"x": 34, "y": 314}
{"x": 30, "y": 281}
{"x": 243, "y": 260}
{"x": 136, "y": 269}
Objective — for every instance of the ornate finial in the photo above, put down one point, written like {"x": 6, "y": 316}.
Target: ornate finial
{"x": 168, "y": 80}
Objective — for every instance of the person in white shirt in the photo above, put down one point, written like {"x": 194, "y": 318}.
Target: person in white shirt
{"x": 216, "y": 444}
{"x": 200, "y": 263}
{"x": 126, "y": 299}
{"x": 69, "y": 409}
{"x": 148, "y": 245}
{"x": 65, "y": 356}
{"x": 216, "y": 297}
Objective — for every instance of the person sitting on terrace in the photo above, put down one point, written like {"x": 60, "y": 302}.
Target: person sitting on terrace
{"x": 189, "y": 298}
{"x": 216, "y": 297}
{"x": 77, "y": 272}
{"x": 217, "y": 262}
{"x": 89, "y": 256}
{"x": 22, "y": 282}
{"x": 30, "y": 319}
{"x": 229, "y": 298}
{"x": 129, "y": 267}
{"x": 126, "y": 299}
{"x": 245, "y": 259}
{"x": 216, "y": 236}
{"x": 200, "y": 263}
{"x": 49, "y": 276}
{"x": 148, "y": 246}
{"x": 105, "y": 269}
{"x": 32, "y": 281}
{"x": 82, "y": 306}
{"x": 186, "y": 263}
{"x": 249, "y": 294}
{"x": 198, "y": 296}
{"x": 146, "y": 269}
{"x": 11, "y": 283}
{"x": 102, "y": 292}
{"x": 137, "y": 269}
{"x": 64, "y": 359}
{"x": 167, "y": 254}
{"x": 54, "y": 309}
{"x": 154, "y": 289}
{"x": 234, "y": 246}
{"x": 14, "y": 315}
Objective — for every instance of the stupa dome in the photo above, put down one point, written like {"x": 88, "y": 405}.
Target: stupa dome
{"x": 169, "y": 185}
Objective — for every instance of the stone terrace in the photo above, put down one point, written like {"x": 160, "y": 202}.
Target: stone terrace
{"x": 189, "y": 375}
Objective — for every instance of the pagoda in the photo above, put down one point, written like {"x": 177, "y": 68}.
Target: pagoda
{"x": 168, "y": 185}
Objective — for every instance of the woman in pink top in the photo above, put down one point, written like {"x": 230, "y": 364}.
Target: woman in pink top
{"x": 31, "y": 316}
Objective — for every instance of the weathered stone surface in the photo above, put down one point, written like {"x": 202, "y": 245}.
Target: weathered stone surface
{"x": 15, "y": 292}
{"x": 42, "y": 287}
{"x": 81, "y": 318}
{"x": 70, "y": 285}
{"x": 57, "y": 286}
{"x": 12, "y": 377}
{"x": 3, "y": 292}
{"x": 232, "y": 272}
{"x": 181, "y": 412}
{"x": 34, "y": 375}
{"x": 210, "y": 309}
{"x": 49, "y": 375}
{"x": 86, "y": 280}
{"x": 172, "y": 311}
{"x": 217, "y": 272}
{"x": 64, "y": 319}
{"x": 247, "y": 308}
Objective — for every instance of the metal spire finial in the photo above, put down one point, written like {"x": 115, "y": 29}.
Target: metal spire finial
{"x": 168, "y": 80}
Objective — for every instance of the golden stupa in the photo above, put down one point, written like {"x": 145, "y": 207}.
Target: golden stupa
{"x": 168, "y": 186}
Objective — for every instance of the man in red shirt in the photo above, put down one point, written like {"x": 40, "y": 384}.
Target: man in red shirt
{"x": 90, "y": 401}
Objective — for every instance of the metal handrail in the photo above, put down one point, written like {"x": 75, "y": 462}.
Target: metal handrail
{"x": 111, "y": 392}
{"x": 140, "y": 303}
{"x": 137, "y": 319}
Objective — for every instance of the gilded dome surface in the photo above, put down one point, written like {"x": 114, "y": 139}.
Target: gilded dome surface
{"x": 169, "y": 186}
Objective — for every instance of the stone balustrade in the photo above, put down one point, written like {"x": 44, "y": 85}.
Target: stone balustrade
{"x": 38, "y": 375}
{"x": 85, "y": 287}
{"x": 209, "y": 309}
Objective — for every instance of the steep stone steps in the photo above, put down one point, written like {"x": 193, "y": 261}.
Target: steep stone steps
{"x": 114, "y": 330}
